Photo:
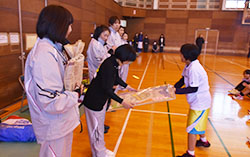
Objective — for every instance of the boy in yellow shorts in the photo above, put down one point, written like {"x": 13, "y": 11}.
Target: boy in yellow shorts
{"x": 195, "y": 79}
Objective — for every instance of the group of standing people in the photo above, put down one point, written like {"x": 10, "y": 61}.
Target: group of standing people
{"x": 54, "y": 110}
{"x": 140, "y": 43}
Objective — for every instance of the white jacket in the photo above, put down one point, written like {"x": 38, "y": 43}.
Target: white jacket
{"x": 54, "y": 111}
{"x": 96, "y": 54}
{"x": 114, "y": 39}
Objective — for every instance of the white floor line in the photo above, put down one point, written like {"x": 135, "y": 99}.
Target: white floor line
{"x": 129, "y": 112}
{"x": 122, "y": 132}
{"x": 159, "y": 112}
{"x": 142, "y": 78}
{"x": 232, "y": 62}
{"x": 151, "y": 121}
{"x": 227, "y": 73}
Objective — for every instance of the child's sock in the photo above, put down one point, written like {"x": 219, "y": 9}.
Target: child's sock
{"x": 203, "y": 139}
{"x": 191, "y": 152}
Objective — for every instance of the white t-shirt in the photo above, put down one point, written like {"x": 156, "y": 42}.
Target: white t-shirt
{"x": 140, "y": 43}
{"x": 195, "y": 76}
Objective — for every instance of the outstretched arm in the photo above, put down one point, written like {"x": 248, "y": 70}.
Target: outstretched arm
{"x": 185, "y": 90}
{"x": 180, "y": 83}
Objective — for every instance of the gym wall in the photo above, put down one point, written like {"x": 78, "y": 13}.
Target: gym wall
{"x": 86, "y": 14}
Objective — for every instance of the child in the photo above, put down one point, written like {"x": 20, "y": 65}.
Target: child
{"x": 162, "y": 42}
{"x": 198, "y": 96}
{"x": 154, "y": 47}
{"x": 199, "y": 42}
{"x": 98, "y": 93}
{"x": 140, "y": 42}
{"x": 135, "y": 41}
{"x": 145, "y": 43}
{"x": 239, "y": 90}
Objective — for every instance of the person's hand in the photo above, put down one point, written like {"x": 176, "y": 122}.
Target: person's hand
{"x": 131, "y": 89}
{"x": 127, "y": 104}
{"x": 244, "y": 84}
{"x": 247, "y": 85}
{"x": 115, "y": 86}
{"x": 79, "y": 90}
{"x": 114, "y": 47}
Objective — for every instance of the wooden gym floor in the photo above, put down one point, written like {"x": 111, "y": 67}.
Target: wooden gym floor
{"x": 158, "y": 130}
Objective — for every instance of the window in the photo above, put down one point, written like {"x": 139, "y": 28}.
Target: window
{"x": 233, "y": 4}
{"x": 145, "y": 4}
{"x": 189, "y": 4}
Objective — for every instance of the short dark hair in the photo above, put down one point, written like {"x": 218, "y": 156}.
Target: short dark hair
{"x": 190, "y": 51}
{"x": 53, "y": 23}
{"x": 125, "y": 53}
{"x": 99, "y": 30}
{"x": 124, "y": 33}
{"x": 246, "y": 71}
{"x": 113, "y": 19}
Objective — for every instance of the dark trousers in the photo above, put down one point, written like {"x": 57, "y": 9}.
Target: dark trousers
{"x": 135, "y": 47}
{"x": 161, "y": 49}
{"x": 145, "y": 48}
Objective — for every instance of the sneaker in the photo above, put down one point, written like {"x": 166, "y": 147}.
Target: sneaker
{"x": 186, "y": 155}
{"x": 234, "y": 92}
{"x": 200, "y": 143}
{"x": 109, "y": 153}
{"x": 237, "y": 97}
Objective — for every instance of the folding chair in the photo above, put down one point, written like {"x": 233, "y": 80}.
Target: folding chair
{"x": 21, "y": 81}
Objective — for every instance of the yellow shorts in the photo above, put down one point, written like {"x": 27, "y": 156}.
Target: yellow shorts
{"x": 197, "y": 121}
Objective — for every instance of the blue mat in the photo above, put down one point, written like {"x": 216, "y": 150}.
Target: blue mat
{"x": 14, "y": 149}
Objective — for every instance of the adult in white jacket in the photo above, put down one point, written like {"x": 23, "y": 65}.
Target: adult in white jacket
{"x": 97, "y": 51}
{"x": 54, "y": 111}
{"x": 115, "y": 40}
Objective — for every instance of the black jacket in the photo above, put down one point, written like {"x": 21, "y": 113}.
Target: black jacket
{"x": 101, "y": 87}
{"x": 145, "y": 41}
{"x": 163, "y": 42}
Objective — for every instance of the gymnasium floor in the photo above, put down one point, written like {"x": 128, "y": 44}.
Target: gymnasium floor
{"x": 158, "y": 130}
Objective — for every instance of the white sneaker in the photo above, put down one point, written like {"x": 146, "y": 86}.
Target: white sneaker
{"x": 109, "y": 153}
{"x": 238, "y": 97}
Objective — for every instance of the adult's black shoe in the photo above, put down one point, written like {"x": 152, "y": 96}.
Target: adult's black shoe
{"x": 106, "y": 129}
